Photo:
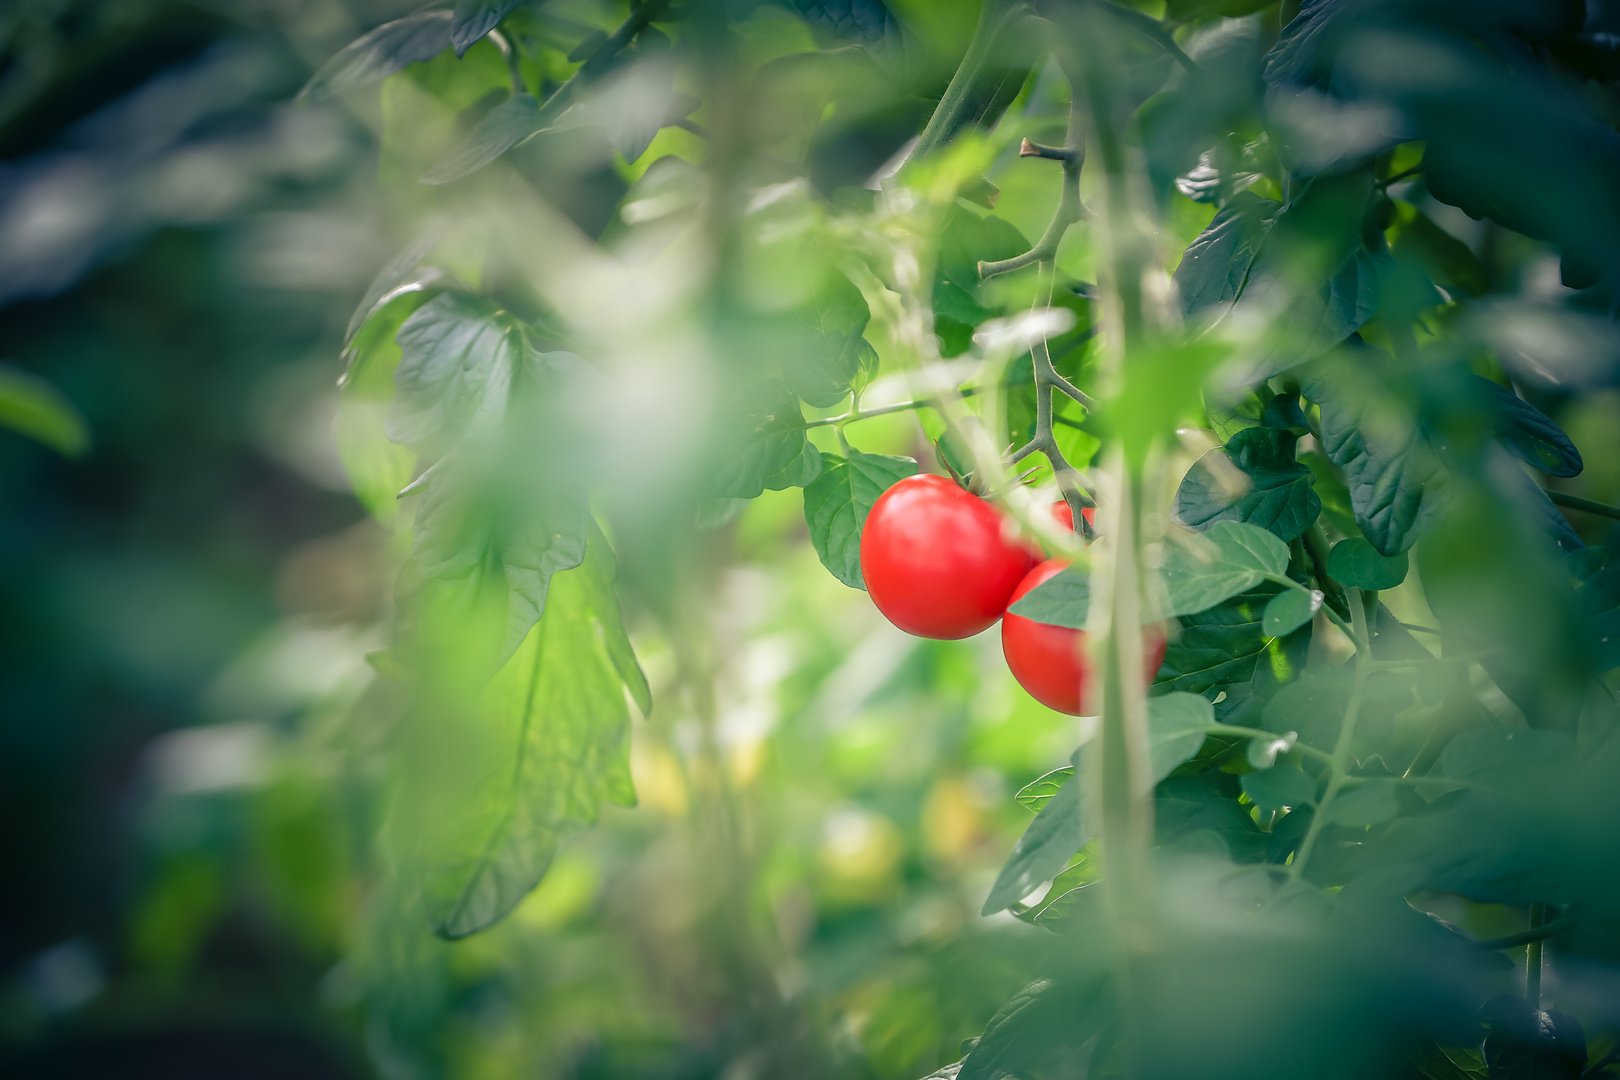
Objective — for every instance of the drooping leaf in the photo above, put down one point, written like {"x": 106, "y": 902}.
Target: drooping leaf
{"x": 398, "y": 276}
{"x": 377, "y": 467}
{"x": 1526, "y": 430}
{"x": 1253, "y": 478}
{"x": 836, "y": 505}
{"x": 475, "y": 18}
{"x": 1177, "y": 724}
{"x": 1229, "y": 558}
{"x": 1215, "y": 267}
{"x": 33, "y": 407}
{"x": 385, "y": 50}
{"x": 1356, "y": 562}
{"x": 1062, "y": 600}
{"x": 1216, "y": 647}
{"x": 1045, "y": 848}
{"x": 555, "y": 721}
{"x": 1289, "y": 610}
{"x": 1276, "y": 788}
{"x": 1396, "y": 480}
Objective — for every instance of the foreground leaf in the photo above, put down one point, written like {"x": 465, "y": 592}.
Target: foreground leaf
{"x": 475, "y": 18}
{"x": 32, "y": 406}
{"x": 557, "y": 724}
{"x": 1045, "y": 849}
{"x": 1215, "y": 267}
{"x": 1230, "y": 558}
{"x": 1289, "y": 610}
{"x": 1253, "y": 478}
{"x": 385, "y": 50}
{"x": 1356, "y": 562}
{"x": 1217, "y": 647}
{"x": 1040, "y": 1018}
{"x": 836, "y": 505}
{"x": 1062, "y": 600}
{"x": 774, "y": 453}
{"x": 377, "y": 467}
{"x": 1279, "y": 787}
{"x": 1176, "y": 729}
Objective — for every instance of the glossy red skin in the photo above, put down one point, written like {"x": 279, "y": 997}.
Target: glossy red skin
{"x": 939, "y": 562}
{"x": 1047, "y": 660}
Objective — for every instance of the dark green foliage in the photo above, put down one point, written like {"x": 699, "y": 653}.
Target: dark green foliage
{"x": 1253, "y": 478}
{"x": 1215, "y": 268}
{"x": 1218, "y": 647}
{"x": 1355, "y": 562}
{"x": 475, "y": 18}
{"x": 382, "y": 52}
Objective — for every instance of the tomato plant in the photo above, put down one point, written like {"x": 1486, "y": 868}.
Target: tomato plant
{"x": 1285, "y": 305}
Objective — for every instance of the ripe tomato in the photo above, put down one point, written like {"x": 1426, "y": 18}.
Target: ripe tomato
{"x": 938, "y": 561}
{"x": 1047, "y": 660}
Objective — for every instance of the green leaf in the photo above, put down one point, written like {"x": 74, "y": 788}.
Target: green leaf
{"x": 1278, "y": 788}
{"x": 511, "y": 123}
{"x": 396, "y": 278}
{"x": 867, "y": 22}
{"x": 1356, "y": 562}
{"x": 1062, "y": 600}
{"x": 475, "y": 18}
{"x": 836, "y": 505}
{"x": 1176, "y": 729}
{"x": 1449, "y": 261}
{"x": 1395, "y": 479}
{"x": 1331, "y": 490}
{"x": 1216, "y": 647}
{"x": 1039, "y": 791}
{"x": 376, "y": 466}
{"x": 33, "y": 407}
{"x": 1597, "y": 587}
{"x": 457, "y": 356}
{"x": 1289, "y": 610}
{"x": 1253, "y": 478}
{"x": 1365, "y": 803}
{"x": 1230, "y": 558}
{"x": 1064, "y": 901}
{"x": 830, "y": 351}
{"x": 1040, "y": 1018}
{"x": 1312, "y": 704}
{"x": 1215, "y": 267}
{"x": 557, "y": 726}
{"x": 773, "y": 453}
{"x": 1451, "y": 1063}
{"x": 1505, "y": 759}
{"x": 385, "y": 50}
{"x": 1526, "y": 430}
{"x": 1045, "y": 848}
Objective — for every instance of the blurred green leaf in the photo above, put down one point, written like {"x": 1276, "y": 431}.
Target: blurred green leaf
{"x": 836, "y": 505}
{"x": 833, "y": 350}
{"x": 1357, "y": 563}
{"x": 1289, "y": 610}
{"x": 475, "y": 18}
{"x": 1062, "y": 600}
{"x": 511, "y": 123}
{"x": 385, "y": 50}
{"x": 33, "y": 407}
{"x": 1597, "y": 575}
{"x": 1176, "y": 729}
{"x": 1364, "y": 803}
{"x": 1279, "y": 787}
{"x": 1448, "y": 260}
{"x": 1451, "y": 1063}
{"x": 458, "y": 354}
{"x": 558, "y": 710}
{"x": 1253, "y": 478}
{"x": 1043, "y": 1016}
{"x": 1526, "y": 430}
{"x": 1229, "y": 558}
{"x": 377, "y": 467}
{"x": 1331, "y": 490}
{"x": 394, "y": 278}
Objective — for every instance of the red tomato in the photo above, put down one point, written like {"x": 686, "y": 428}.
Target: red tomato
{"x": 1061, "y": 515}
{"x": 938, "y": 561}
{"x": 1048, "y": 660}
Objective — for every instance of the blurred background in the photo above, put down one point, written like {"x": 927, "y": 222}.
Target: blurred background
{"x": 186, "y": 814}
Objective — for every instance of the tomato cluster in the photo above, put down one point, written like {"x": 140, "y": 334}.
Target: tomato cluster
{"x": 940, "y": 562}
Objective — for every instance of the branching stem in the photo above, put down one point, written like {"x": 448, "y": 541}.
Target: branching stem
{"x": 884, "y": 410}
{"x": 1339, "y": 766}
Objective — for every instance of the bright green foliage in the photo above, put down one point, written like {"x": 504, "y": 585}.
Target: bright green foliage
{"x": 32, "y": 406}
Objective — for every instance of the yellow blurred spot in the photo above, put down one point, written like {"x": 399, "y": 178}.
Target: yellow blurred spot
{"x": 745, "y": 759}
{"x": 950, "y": 818}
{"x": 660, "y": 784}
{"x": 859, "y": 856}
{"x": 568, "y": 890}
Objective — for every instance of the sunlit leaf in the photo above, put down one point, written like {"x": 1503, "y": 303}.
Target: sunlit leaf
{"x": 377, "y": 466}
{"x": 558, "y": 717}
{"x": 1289, "y": 610}
{"x": 1045, "y": 848}
{"x": 1230, "y": 558}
